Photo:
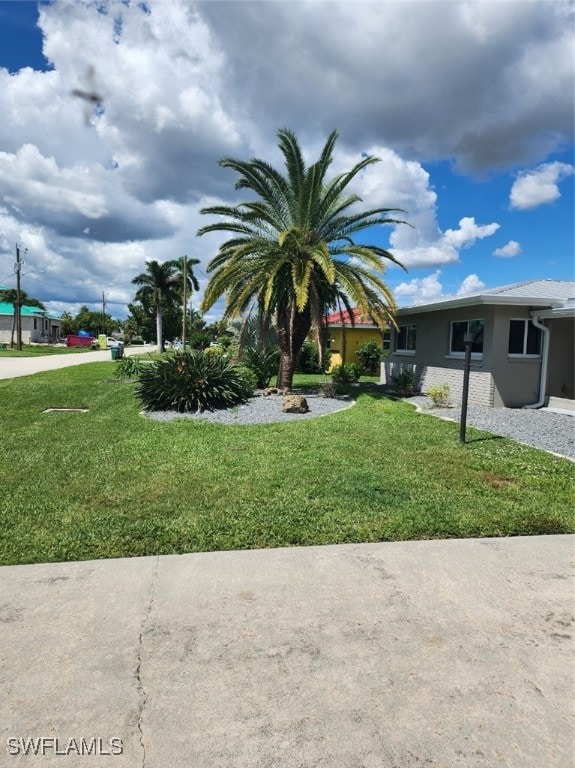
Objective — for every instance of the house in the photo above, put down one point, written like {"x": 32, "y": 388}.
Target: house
{"x": 343, "y": 338}
{"x": 523, "y": 349}
{"x": 38, "y": 325}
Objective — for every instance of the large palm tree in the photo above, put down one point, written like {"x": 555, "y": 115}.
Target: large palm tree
{"x": 159, "y": 290}
{"x": 187, "y": 282}
{"x": 293, "y": 253}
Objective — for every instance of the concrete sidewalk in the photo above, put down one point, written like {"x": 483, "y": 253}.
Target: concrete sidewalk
{"x": 439, "y": 653}
{"x": 12, "y": 367}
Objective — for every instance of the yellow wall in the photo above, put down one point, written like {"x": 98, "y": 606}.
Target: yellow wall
{"x": 354, "y": 338}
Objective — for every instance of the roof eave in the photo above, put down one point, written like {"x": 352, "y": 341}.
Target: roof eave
{"x": 469, "y": 301}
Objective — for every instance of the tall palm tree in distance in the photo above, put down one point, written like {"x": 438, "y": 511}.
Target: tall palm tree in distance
{"x": 158, "y": 286}
{"x": 187, "y": 282}
{"x": 292, "y": 251}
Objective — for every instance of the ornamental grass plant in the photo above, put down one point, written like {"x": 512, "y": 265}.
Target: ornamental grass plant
{"x": 192, "y": 381}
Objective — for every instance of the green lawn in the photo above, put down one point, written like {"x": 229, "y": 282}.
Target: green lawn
{"x": 41, "y": 350}
{"x": 110, "y": 483}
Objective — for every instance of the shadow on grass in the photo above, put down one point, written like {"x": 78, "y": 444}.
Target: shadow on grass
{"x": 482, "y": 439}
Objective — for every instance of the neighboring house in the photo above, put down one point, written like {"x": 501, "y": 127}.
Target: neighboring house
{"x": 344, "y": 338}
{"x": 37, "y": 325}
{"x": 523, "y": 353}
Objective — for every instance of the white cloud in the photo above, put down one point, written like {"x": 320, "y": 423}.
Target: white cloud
{"x": 426, "y": 290}
{"x": 508, "y": 251}
{"x": 184, "y": 85}
{"x": 422, "y": 290}
{"x": 471, "y": 284}
{"x": 427, "y": 246}
{"x": 468, "y": 233}
{"x": 534, "y": 188}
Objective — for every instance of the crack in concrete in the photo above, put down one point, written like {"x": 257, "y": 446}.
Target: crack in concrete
{"x": 138, "y": 674}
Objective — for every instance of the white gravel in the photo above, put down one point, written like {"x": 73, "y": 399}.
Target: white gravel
{"x": 260, "y": 410}
{"x": 550, "y": 431}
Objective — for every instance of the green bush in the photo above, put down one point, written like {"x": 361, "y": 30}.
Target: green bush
{"x": 192, "y": 381}
{"x": 369, "y": 355}
{"x": 404, "y": 383}
{"x": 308, "y": 359}
{"x": 346, "y": 374}
{"x": 129, "y": 367}
{"x": 199, "y": 340}
{"x": 439, "y": 395}
{"x": 263, "y": 363}
{"x": 249, "y": 377}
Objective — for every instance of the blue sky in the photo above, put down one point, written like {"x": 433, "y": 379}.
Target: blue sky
{"x": 472, "y": 120}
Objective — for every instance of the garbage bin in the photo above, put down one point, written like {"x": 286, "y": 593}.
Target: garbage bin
{"x": 116, "y": 353}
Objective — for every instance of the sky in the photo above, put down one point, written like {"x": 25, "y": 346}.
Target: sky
{"x": 469, "y": 106}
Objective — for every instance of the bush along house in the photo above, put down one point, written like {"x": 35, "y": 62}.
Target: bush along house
{"x": 345, "y": 338}
{"x": 522, "y": 353}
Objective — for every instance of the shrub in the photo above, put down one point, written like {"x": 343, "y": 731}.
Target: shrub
{"x": 191, "y": 381}
{"x": 404, "y": 383}
{"x": 218, "y": 351}
{"x": 263, "y": 363}
{"x": 249, "y": 377}
{"x": 369, "y": 355}
{"x": 346, "y": 374}
{"x": 308, "y": 359}
{"x": 129, "y": 367}
{"x": 439, "y": 395}
{"x": 199, "y": 340}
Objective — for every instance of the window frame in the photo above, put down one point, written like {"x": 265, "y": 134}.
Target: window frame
{"x": 386, "y": 341}
{"x": 399, "y": 351}
{"x": 461, "y": 355}
{"x": 525, "y": 355}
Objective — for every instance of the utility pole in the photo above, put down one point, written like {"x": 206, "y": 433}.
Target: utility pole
{"x": 17, "y": 308}
{"x": 104, "y": 312}
{"x": 184, "y": 307}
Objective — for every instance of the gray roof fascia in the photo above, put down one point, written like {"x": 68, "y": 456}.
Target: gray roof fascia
{"x": 470, "y": 301}
{"x": 555, "y": 312}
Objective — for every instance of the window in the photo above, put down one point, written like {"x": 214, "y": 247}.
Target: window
{"x": 405, "y": 339}
{"x": 458, "y": 330}
{"x": 524, "y": 339}
{"x": 35, "y": 323}
{"x": 386, "y": 341}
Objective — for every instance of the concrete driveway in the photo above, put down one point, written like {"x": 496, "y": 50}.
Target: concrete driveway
{"x": 438, "y": 653}
{"x": 12, "y": 367}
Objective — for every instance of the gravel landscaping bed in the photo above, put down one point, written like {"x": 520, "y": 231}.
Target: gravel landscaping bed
{"x": 542, "y": 429}
{"x": 261, "y": 410}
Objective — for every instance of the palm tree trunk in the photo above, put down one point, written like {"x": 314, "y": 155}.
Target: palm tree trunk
{"x": 159, "y": 339}
{"x": 293, "y": 328}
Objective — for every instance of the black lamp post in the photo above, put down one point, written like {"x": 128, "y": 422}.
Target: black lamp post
{"x": 468, "y": 339}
